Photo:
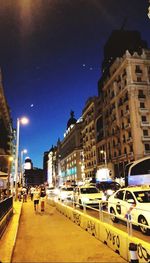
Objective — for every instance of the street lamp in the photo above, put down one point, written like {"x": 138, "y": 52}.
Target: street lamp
{"x": 22, "y": 121}
{"x": 103, "y": 152}
{"x": 24, "y": 151}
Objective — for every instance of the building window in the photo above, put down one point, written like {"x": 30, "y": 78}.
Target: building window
{"x": 139, "y": 79}
{"x": 138, "y": 69}
{"x": 127, "y": 107}
{"x": 142, "y": 105}
{"x": 141, "y": 95}
{"x": 147, "y": 147}
{"x": 145, "y": 132}
{"x": 131, "y": 148}
{"x": 129, "y": 134}
{"x": 143, "y": 118}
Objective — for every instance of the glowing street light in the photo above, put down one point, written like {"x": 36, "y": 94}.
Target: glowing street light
{"x": 22, "y": 121}
{"x": 105, "y": 158}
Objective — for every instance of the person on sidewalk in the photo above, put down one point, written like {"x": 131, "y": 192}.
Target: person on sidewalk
{"x": 36, "y": 198}
{"x": 42, "y": 198}
{"x": 32, "y": 189}
{"x": 24, "y": 194}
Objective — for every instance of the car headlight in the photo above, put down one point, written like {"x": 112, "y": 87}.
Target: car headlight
{"x": 56, "y": 191}
{"x": 63, "y": 195}
{"x": 85, "y": 199}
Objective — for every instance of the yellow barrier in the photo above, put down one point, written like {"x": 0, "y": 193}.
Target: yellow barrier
{"x": 143, "y": 249}
{"x": 113, "y": 237}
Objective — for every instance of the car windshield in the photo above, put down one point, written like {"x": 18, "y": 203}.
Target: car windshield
{"x": 67, "y": 189}
{"x": 106, "y": 185}
{"x": 143, "y": 196}
{"x": 90, "y": 190}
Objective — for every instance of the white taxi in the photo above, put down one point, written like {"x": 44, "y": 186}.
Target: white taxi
{"x": 133, "y": 201}
{"x": 88, "y": 195}
{"x": 65, "y": 193}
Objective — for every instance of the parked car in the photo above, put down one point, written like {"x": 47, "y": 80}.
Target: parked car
{"x": 134, "y": 201}
{"x": 65, "y": 193}
{"x": 108, "y": 187}
{"x": 50, "y": 191}
{"x": 88, "y": 195}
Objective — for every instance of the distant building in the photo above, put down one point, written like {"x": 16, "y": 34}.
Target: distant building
{"x": 71, "y": 152}
{"x": 32, "y": 175}
{"x": 88, "y": 136}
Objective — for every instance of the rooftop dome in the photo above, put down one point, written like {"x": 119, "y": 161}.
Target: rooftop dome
{"x": 72, "y": 120}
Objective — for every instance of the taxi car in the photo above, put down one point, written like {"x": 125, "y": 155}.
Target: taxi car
{"x": 134, "y": 201}
{"x": 108, "y": 187}
{"x": 65, "y": 193}
{"x": 88, "y": 195}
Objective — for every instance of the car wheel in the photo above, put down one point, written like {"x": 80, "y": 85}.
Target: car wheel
{"x": 112, "y": 216}
{"x": 144, "y": 230}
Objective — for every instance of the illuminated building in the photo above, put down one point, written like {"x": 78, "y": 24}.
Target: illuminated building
{"x": 89, "y": 135}
{"x": 124, "y": 91}
{"x": 71, "y": 152}
{"x": 6, "y": 134}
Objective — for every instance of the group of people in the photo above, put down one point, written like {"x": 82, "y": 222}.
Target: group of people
{"x": 22, "y": 194}
{"x": 37, "y": 195}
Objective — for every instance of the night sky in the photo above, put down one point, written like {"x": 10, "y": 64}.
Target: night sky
{"x": 50, "y": 56}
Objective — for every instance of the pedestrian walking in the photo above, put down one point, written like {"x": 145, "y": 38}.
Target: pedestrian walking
{"x": 36, "y": 198}
{"x": 24, "y": 194}
{"x": 32, "y": 189}
{"x": 42, "y": 198}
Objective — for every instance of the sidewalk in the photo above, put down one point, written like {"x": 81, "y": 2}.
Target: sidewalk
{"x": 7, "y": 241}
{"x": 51, "y": 237}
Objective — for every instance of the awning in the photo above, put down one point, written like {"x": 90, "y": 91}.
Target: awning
{"x": 3, "y": 175}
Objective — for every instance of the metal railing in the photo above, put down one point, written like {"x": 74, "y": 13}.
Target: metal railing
{"x": 102, "y": 210}
{"x": 5, "y": 206}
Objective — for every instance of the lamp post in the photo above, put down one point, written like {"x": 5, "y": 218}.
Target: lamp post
{"x": 105, "y": 158}
{"x": 24, "y": 151}
{"x": 22, "y": 121}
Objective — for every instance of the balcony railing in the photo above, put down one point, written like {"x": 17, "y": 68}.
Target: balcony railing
{"x": 146, "y": 138}
{"x": 145, "y": 124}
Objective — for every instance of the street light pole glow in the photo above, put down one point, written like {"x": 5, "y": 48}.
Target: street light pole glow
{"x": 22, "y": 121}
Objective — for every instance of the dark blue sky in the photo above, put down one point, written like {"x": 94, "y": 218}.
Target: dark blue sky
{"x": 50, "y": 55}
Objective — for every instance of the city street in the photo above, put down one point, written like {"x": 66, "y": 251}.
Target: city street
{"x": 51, "y": 237}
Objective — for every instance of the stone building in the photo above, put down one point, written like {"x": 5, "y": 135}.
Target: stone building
{"x": 71, "y": 152}
{"x": 89, "y": 137}
{"x": 124, "y": 90}
{"x": 6, "y": 130}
